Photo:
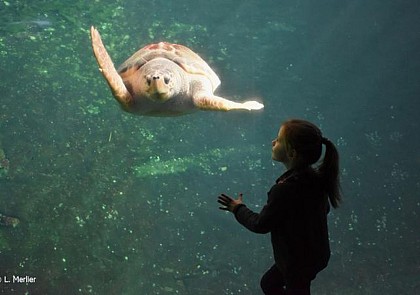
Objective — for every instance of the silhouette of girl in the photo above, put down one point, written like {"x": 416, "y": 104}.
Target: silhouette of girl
{"x": 296, "y": 209}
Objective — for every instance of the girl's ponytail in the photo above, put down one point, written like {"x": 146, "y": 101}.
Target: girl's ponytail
{"x": 329, "y": 170}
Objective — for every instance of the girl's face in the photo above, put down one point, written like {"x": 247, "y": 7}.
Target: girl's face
{"x": 278, "y": 151}
{"x": 282, "y": 152}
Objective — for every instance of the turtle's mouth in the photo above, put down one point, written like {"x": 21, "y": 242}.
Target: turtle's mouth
{"x": 159, "y": 97}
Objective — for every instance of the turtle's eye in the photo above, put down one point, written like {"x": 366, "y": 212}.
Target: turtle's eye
{"x": 148, "y": 80}
{"x": 166, "y": 79}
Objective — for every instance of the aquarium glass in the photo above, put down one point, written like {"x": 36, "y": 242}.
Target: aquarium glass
{"x": 95, "y": 200}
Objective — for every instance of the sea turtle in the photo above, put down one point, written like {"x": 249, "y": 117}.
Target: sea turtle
{"x": 163, "y": 79}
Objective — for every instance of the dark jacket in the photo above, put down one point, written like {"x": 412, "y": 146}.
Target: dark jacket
{"x": 296, "y": 216}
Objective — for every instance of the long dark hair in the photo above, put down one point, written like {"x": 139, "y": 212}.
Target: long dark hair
{"x": 307, "y": 140}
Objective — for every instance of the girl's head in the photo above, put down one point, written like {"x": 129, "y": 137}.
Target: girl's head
{"x": 299, "y": 144}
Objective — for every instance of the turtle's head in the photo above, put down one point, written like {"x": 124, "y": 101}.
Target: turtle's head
{"x": 162, "y": 79}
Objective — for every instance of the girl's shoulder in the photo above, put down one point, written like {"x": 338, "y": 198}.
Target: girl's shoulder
{"x": 298, "y": 176}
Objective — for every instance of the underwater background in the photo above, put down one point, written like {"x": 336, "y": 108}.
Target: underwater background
{"x": 113, "y": 203}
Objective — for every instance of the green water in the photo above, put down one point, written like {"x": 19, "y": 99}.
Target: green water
{"x": 112, "y": 203}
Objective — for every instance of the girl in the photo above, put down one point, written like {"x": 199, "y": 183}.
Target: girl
{"x": 296, "y": 209}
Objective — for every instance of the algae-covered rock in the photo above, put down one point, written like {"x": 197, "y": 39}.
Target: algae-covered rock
{"x": 4, "y": 164}
{"x": 8, "y": 220}
{"x": 205, "y": 162}
{"x": 177, "y": 31}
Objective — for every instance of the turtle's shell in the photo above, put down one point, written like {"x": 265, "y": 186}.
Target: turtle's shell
{"x": 188, "y": 60}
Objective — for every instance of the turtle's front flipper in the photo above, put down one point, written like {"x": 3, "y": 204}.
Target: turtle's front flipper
{"x": 216, "y": 103}
{"x": 106, "y": 66}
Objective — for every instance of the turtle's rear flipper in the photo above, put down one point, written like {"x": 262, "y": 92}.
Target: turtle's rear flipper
{"x": 106, "y": 66}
